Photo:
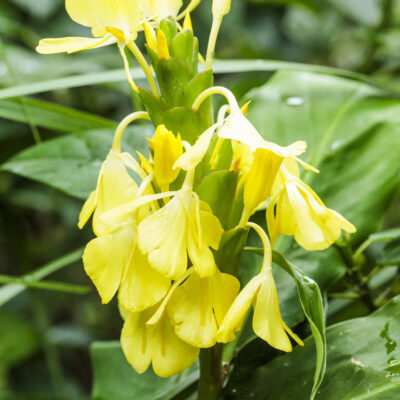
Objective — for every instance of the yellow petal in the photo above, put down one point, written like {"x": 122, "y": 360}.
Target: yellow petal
{"x": 72, "y": 44}
{"x": 167, "y": 149}
{"x": 122, "y": 14}
{"x": 105, "y": 260}
{"x": 267, "y": 320}
{"x": 224, "y": 289}
{"x": 259, "y": 180}
{"x": 204, "y": 233}
{"x": 191, "y": 310}
{"x": 115, "y": 188}
{"x": 160, "y": 9}
{"x": 162, "y": 45}
{"x": 87, "y": 209}
{"x": 170, "y": 354}
{"x": 192, "y": 157}
{"x": 233, "y": 319}
{"x": 142, "y": 286}
{"x": 137, "y": 341}
{"x": 163, "y": 236}
{"x": 220, "y": 8}
{"x": 238, "y": 127}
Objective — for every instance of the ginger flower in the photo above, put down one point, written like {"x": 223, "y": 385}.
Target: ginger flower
{"x": 267, "y": 320}
{"x": 199, "y": 305}
{"x": 114, "y": 261}
{"x": 110, "y": 21}
{"x": 114, "y": 188}
{"x": 156, "y": 343}
{"x": 166, "y": 150}
{"x": 184, "y": 226}
{"x": 296, "y": 210}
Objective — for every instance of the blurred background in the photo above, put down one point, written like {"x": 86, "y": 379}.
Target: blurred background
{"x": 45, "y": 335}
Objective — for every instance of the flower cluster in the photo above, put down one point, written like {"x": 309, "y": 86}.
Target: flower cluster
{"x": 158, "y": 241}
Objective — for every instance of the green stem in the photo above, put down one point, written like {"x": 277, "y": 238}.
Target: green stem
{"x": 211, "y": 377}
{"x": 145, "y": 67}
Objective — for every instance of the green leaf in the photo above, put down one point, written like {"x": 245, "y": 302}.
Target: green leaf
{"x": 218, "y": 190}
{"x": 11, "y": 290}
{"x": 229, "y": 254}
{"x": 18, "y": 340}
{"x": 390, "y": 234}
{"x": 364, "y": 360}
{"x": 185, "y": 47}
{"x": 352, "y": 131}
{"x": 311, "y": 302}
{"x": 52, "y": 116}
{"x": 114, "y": 378}
{"x": 189, "y": 123}
{"x": 71, "y": 163}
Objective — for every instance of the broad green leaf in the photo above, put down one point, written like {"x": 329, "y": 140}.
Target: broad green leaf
{"x": 352, "y": 130}
{"x": 71, "y": 163}
{"x": 363, "y": 363}
{"x": 18, "y": 340}
{"x": 367, "y": 12}
{"x": 115, "y": 379}
{"x": 52, "y": 116}
{"x": 9, "y": 291}
{"x": 218, "y": 190}
{"x": 311, "y": 302}
{"x": 390, "y": 254}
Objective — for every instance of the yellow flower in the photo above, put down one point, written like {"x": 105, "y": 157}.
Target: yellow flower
{"x": 155, "y": 343}
{"x": 260, "y": 178}
{"x": 184, "y": 226}
{"x": 114, "y": 188}
{"x": 267, "y": 320}
{"x": 160, "y": 9}
{"x": 238, "y": 127}
{"x": 296, "y": 210}
{"x": 167, "y": 149}
{"x": 199, "y": 305}
{"x": 110, "y": 20}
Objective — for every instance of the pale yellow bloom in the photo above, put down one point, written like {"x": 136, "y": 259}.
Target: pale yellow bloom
{"x": 267, "y": 320}
{"x": 296, "y": 210}
{"x": 220, "y": 8}
{"x": 167, "y": 148}
{"x": 259, "y": 179}
{"x": 157, "y": 343}
{"x": 184, "y": 226}
{"x": 199, "y": 305}
{"x": 114, "y": 188}
{"x": 110, "y": 20}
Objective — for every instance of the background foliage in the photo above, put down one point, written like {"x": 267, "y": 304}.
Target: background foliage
{"x": 336, "y": 86}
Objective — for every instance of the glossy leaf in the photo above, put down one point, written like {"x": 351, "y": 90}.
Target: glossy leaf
{"x": 352, "y": 134}
{"x": 71, "y": 163}
{"x": 363, "y": 363}
{"x": 52, "y": 116}
{"x": 311, "y": 302}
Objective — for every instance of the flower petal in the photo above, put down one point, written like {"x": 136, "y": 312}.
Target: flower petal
{"x": 137, "y": 341}
{"x": 191, "y": 310}
{"x": 106, "y": 258}
{"x": 267, "y": 321}
{"x": 72, "y": 44}
{"x": 142, "y": 286}
{"x": 233, "y": 319}
{"x": 170, "y": 354}
{"x": 163, "y": 236}
{"x": 87, "y": 209}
